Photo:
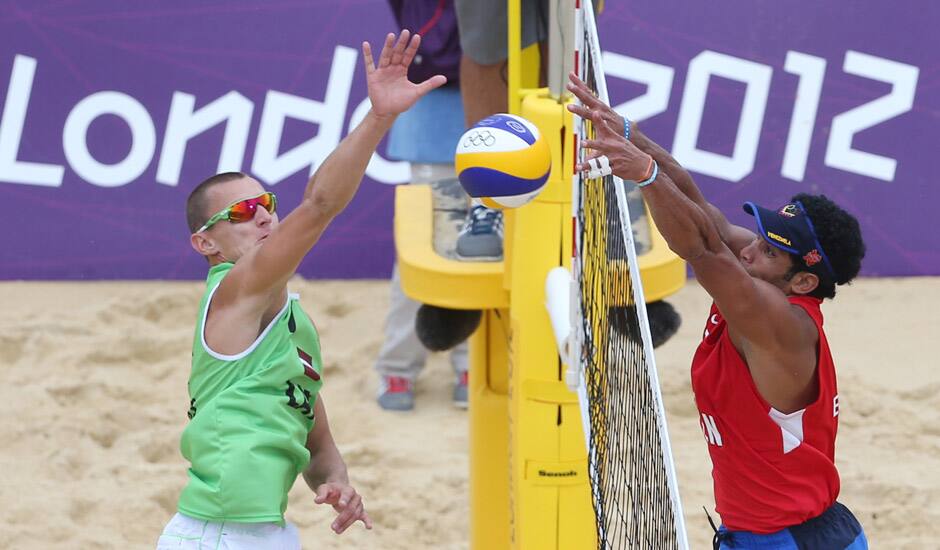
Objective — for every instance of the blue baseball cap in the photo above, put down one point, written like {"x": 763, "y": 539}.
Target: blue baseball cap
{"x": 789, "y": 228}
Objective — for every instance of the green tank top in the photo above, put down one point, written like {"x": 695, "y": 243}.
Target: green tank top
{"x": 249, "y": 417}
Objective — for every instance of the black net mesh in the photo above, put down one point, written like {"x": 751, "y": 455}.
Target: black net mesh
{"x": 631, "y": 491}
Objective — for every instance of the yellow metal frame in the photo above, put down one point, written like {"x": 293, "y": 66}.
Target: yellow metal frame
{"x": 430, "y": 278}
{"x": 529, "y": 485}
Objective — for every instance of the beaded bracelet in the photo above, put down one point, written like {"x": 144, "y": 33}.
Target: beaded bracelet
{"x": 626, "y": 128}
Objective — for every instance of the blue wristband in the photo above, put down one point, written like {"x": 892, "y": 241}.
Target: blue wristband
{"x": 652, "y": 177}
{"x": 626, "y": 128}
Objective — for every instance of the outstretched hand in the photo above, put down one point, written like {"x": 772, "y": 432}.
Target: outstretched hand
{"x": 590, "y": 102}
{"x": 624, "y": 158}
{"x": 347, "y": 503}
{"x": 390, "y": 90}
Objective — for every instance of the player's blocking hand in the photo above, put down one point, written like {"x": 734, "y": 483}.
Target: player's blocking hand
{"x": 347, "y": 503}
{"x": 390, "y": 90}
{"x": 590, "y": 102}
{"x": 623, "y": 158}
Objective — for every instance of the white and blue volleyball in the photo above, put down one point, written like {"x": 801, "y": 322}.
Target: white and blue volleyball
{"x": 503, "y": 161}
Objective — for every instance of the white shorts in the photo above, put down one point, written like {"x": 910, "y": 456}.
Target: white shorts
{"x": 186, "y": 533}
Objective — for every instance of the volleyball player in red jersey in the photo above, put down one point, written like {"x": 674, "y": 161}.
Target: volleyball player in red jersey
{"x": 763, "y": 375}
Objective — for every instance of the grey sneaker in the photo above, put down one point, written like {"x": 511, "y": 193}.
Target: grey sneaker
{"x": 481, "y": 238}
{"x": 460, "y": 391}
{"x": 396, "y": 393}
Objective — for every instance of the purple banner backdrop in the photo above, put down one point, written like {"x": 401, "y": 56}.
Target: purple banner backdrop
{"x": 113, "y": 112}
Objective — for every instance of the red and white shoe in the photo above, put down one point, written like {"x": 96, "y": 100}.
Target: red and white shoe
{"x": 396, "y": 393}
{"x": 460, "y": 391}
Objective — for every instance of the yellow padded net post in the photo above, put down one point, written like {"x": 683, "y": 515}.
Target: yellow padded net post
{"x": 529, "y": 481}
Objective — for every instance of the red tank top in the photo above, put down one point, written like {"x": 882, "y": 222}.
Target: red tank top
{"x": 771, "y": 470}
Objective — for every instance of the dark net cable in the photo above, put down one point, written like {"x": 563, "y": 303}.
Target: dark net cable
{"x": 630, "y": 472}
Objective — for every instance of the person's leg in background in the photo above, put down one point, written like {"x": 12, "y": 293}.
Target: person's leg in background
{"x": 483, "y": 40}
{"x": 426, "y": 136}
{"x": 403, "y": 356}
{"x": 460, "y": 361}
{"x": 483, "y": 86}
{"x": 484, "y": 89}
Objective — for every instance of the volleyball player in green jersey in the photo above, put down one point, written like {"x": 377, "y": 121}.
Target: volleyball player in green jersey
{"x": 257, "y": 421}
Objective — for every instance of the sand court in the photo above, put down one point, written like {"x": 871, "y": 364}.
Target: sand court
{"x": 94, "y": 401}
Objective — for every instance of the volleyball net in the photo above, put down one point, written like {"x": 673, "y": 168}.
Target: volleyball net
{"x": 633, "y": 480}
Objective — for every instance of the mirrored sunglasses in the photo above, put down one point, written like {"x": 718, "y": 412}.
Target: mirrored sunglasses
{"x": 242, "y": 211}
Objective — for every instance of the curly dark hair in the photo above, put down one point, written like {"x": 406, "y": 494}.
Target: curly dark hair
{"x": 841, "y": 240}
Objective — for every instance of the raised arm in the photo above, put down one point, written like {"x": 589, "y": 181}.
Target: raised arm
{"x": 754, "y": 308}
{"x": 736, "y": 237}
{"x": 264, "y": 271}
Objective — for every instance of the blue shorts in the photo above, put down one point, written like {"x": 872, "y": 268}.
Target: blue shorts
{"x": 834, "y": 529}
{"x": 428, "y": 132}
